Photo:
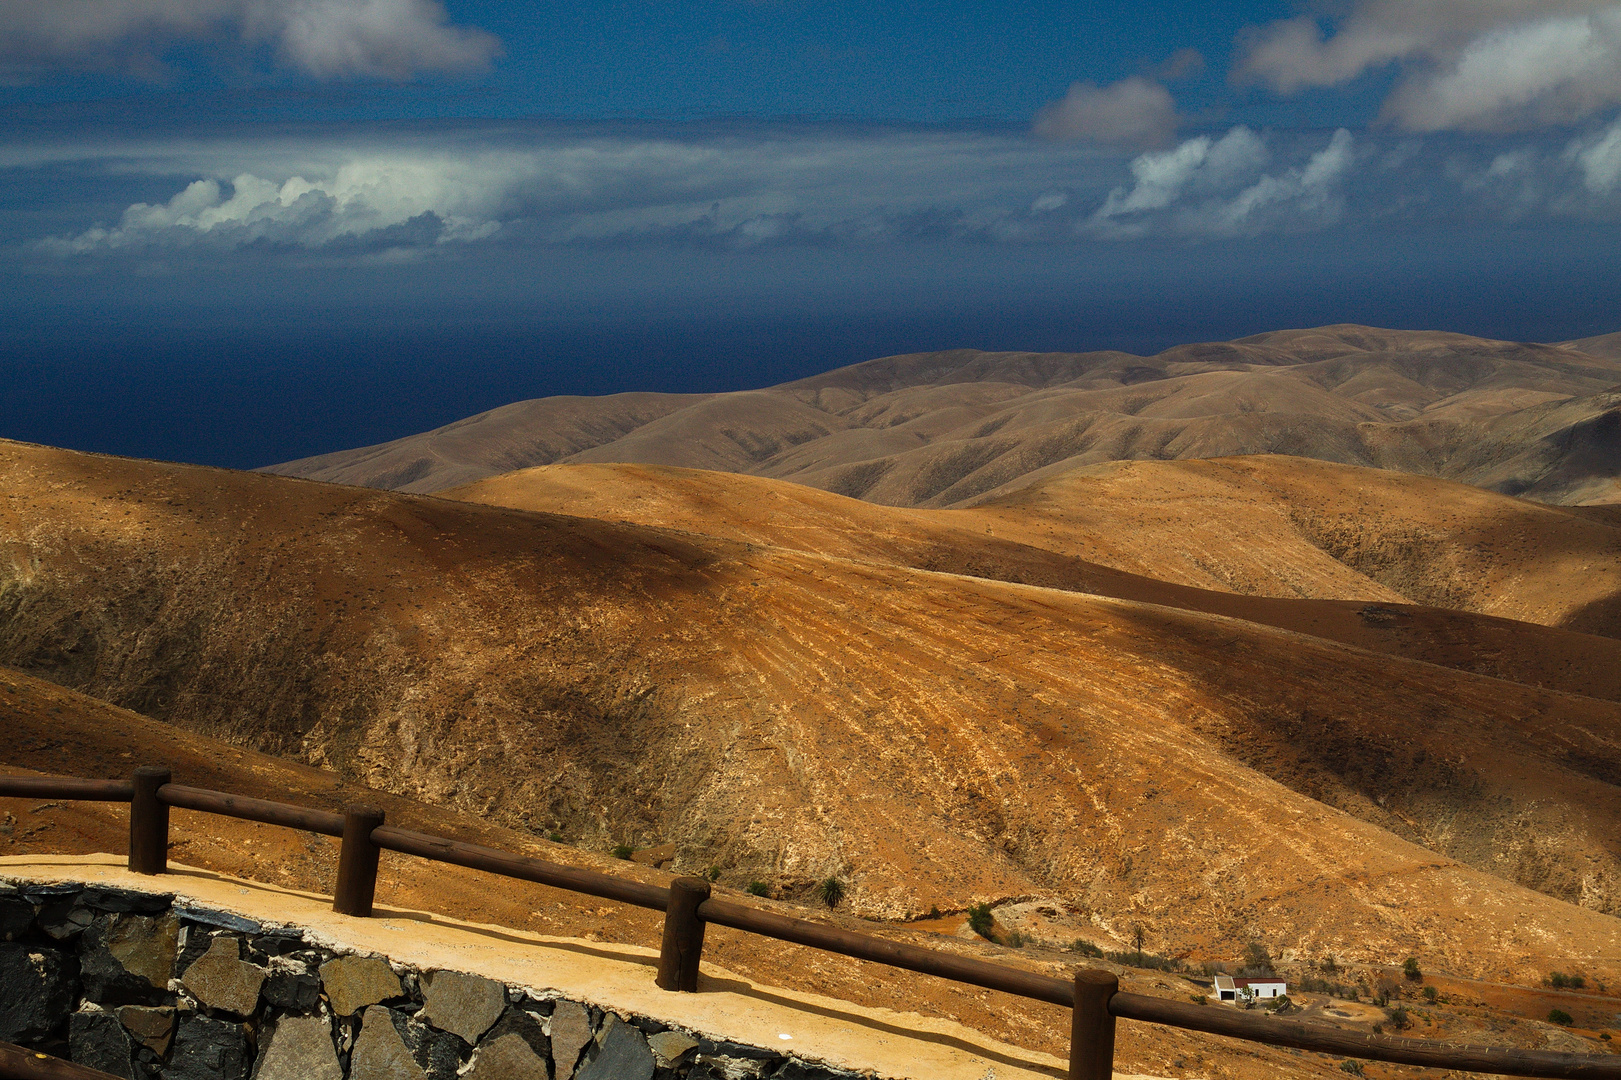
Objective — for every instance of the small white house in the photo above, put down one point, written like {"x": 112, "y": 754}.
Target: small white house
{"x": 1230, "y": 989}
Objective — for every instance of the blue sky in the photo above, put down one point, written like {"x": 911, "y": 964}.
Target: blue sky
{"x": 239, "y": 231}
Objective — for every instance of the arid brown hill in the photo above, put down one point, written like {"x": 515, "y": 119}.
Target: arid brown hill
{"x": 786, "y": 715}
{"x": 942, "y": 429}
{"x": 54, "y": 730}
{"x": 1383, "y": 561}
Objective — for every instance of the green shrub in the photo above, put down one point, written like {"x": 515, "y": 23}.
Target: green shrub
{"x": 1560, "y": 981}
{"x": 1409, "y": 968}
{"x": 1257, "y": 959}
{"x": 1199, "y": 999}
{"x": 1281, "y": 1004}
{"x": 1085, "y": 947}
{"x": 759, "y": 888}
{"x": 1352, "y": 1067}
{"x": 831, "y": 891}
{"x": 1145, "y": 960}
{"x": 1431, "y": 994}
{"x": 1017, "y": 940}
{"x": 712, "y": 874}
{"x": 1310, "y": 984}
{"x": 622, "y": 851}
{"x": 980, "y": 920}
{"x": 555, "y": 837}
{"x": 1399, "y": 1018}
{"x": 1560, "y": 1016}
{"x": 934, "y": 911}
{"x": 1329, "y": 966}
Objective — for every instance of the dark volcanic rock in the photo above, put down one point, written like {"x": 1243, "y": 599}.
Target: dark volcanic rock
{"x": 125, "y": 901}
{"x": 64, "y": 917}
{"x": 222, "y": 920}
{"x": 152, "y": 1028}
{"x": 507, "y": 1057}
{"x": 298, "y": 1048}
{"x": 465, "y": 1005}
{"x": 38, "y": 988}
{"x": 516, "y": 1021}
{"x": 623, "y": 1054}
{"x": 206, "y": 1049}
{"x": 97, "y": 1039}
{"x": 222, "y": 981}
{"x": 261, "y": 947}
{"x": 16, "y": 918}
{"x": 439, "y": 1053}
{"x": 571, "y": 1032}
{"x": 129, "y": 959}
{"x": 295, "y": 991}
{"x": 379, "y": 1052}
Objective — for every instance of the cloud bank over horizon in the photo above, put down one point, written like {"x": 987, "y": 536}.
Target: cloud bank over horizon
{"x": 793, "y": 185}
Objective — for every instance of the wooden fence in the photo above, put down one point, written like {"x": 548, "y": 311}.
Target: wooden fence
{"x": 1093, "y": 995}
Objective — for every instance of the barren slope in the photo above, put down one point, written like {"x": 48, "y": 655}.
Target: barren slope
{"x": 1152, "y": 514}
{"x": 1276, "y": 526}
{"x": 939, "y": 429}
{"x": 58, "y": 731}
{"x": 784, "y": 715}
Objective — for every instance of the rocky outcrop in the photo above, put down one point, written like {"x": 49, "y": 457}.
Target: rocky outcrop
{"x": 140, "y": 988}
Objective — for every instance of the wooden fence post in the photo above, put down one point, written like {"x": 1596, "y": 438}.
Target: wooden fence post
{"x": 683, "y": 936}
{"x": 148, "y": 822}
{"x": 357, "y": 862}
{"x": 1091, "y": 1037}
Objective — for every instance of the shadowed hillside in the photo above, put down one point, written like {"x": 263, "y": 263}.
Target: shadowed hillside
{"x": 788, "y": 715}
{"x": 942, "y": 429}
{"x": 1230, "y": 525}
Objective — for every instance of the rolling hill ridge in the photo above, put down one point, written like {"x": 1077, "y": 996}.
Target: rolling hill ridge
{"x": 786, "y": 713}
{"x": 945, "y": 429}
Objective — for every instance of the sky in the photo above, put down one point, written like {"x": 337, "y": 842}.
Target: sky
{"x": 238, "y": 232}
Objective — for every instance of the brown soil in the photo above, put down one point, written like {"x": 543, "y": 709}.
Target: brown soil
{"x": 933, "y": 739}
{"x": 58, "y": 731}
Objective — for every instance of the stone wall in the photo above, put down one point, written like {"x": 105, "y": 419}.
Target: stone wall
{"x": 140, "y": 985}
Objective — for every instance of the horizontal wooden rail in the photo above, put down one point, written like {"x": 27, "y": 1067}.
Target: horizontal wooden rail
{"x": 1276, "y": 1031}
{"x": 66, "y": 787}
{"x": 240, "y": 806}
{"x": 19, "y": 1064}
{"x": 882, "y": 951}
{"x": 477, "y": 857}
{"x": 1092, "y": 992}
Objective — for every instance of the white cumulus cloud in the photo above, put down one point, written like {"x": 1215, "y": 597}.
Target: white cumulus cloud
{"x": 1133, "y": 113}
{"x": 1481, "y": 65}
{"x": 448, "y": 199}
{"x": 1208, "y": 187}
{"x": 1599, "y": 159}
{"x": 392, "y": 39}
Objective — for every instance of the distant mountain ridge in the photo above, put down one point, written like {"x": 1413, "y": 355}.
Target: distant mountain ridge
{"x": 952, "y": 428}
